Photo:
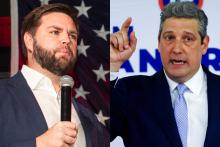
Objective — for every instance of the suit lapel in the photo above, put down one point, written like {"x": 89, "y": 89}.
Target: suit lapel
{"x": 164, "y": 110}
{"x": 85, "y": 121}
{"x": 213, "y": 129}
{"x": 26, "y": 99}
{"x": 92, "y": 128}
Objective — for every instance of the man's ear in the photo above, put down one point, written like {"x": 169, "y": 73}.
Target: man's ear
{"x": 205, "y": 44}
{"x": 158, "y": 42}
{"x": 28, "y": 41}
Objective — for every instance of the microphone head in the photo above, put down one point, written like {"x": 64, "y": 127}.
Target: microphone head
{"x": 66, "y": 81}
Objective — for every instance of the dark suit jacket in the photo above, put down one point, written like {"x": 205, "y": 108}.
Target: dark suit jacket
{"x": 21, "y": 119}
{"x": 142, "y": 113}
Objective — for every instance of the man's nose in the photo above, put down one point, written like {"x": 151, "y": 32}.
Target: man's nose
{"x": 178, "y": 47}
{"x": 65, "y": 38}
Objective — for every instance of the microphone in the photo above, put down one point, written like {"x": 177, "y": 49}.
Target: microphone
{"x": 66, "y": 84}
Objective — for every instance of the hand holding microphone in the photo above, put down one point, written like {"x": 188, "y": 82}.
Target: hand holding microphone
{"x": 64, "y": 133}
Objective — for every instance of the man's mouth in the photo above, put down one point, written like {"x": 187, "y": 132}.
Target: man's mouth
{"x": 65, "y": 51}
{"x": 177, "y": 62}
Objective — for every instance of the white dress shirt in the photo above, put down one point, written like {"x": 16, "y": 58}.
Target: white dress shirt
{"x": 113, "y": 75}
{"x": 49, "y": 102}
{"x": 197, "y": 105}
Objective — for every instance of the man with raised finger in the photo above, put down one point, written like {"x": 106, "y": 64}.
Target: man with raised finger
{"x": 179, "y": 106}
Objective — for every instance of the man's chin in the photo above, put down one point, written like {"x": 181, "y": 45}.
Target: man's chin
{"x": 60, "y": 71}
{"x": 178, "y": 76}
{"x": 65, "y": 59}
{"x": 65, "y": 66}
{"x": 65, "y": 56}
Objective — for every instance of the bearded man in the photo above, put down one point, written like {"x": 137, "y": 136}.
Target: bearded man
{"x": 29, "y": 108}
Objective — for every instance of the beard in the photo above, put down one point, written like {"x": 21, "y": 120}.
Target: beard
{"x": 47, "y": 59}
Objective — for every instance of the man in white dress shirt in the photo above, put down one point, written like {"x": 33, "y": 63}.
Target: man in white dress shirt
{"x": 49, "y": 36}
{"x": 50, "y": 39}
{"x": 144, "y": 108}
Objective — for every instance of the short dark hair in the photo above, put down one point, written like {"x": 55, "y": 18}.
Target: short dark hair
{"x": 185, "y": 10}
{"x": 32, "y": 20}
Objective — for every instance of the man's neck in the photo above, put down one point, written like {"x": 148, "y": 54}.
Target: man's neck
{"x": 54, "y": 78}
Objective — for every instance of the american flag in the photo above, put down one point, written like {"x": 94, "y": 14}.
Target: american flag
{"x": 91, "y": 73}
{"x": 5, "y": 38}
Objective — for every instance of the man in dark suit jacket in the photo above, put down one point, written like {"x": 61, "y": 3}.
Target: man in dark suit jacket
{"x": 144, "y": 108}
{"x": 142, "y": 112}
{"x": 22, "y": 120}
{"x": 29, "y": 108}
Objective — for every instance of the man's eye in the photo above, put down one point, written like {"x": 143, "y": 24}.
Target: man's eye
{"x": 55, "y": 32}
{"x": 73, "y": 36}
{"x": 187, "y": 39}
{"x": 169, "y": 37}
